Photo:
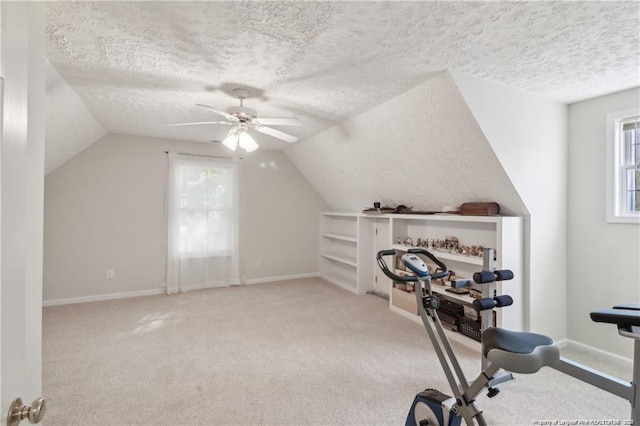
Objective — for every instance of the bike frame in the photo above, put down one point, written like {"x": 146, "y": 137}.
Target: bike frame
{"x": 463, "y": 392}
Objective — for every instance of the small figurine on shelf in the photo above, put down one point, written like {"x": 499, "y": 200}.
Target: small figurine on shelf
{"x": 451, "y": 243}
{"x": 408, "y": 242}
{"x": 477, "y": 251}
{"x": 399, "y": 241}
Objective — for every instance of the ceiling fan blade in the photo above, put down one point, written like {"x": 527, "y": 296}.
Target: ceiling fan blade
{"x": 199, "y": 122}
{"x": 279, "y": 121}
{"x": 276, "y": 134}
{"x": 222, "y": 113}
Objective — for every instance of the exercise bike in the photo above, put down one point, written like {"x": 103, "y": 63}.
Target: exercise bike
{"x": 518, "y": 352}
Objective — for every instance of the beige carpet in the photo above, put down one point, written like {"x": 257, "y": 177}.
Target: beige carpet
{"x": 286, "y": 353}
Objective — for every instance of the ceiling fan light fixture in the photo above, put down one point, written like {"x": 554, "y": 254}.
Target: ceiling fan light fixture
{"x": 231, "y": 141}
{"x": 243, "y": 119}
{"x": 246, "y": 141}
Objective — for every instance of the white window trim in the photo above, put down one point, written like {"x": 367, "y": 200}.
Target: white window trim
{"x": 614, "y": 158}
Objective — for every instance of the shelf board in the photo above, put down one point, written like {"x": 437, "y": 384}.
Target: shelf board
{"x": 462, "y": 298}
{"x": 340, "y": 214}
{"x": 342, "y": 281}
{"x": 344, "y": 237}
{"x": 342, "y": 258}
{"x": 474, "y": 260}
{"x": 448, "y": 218}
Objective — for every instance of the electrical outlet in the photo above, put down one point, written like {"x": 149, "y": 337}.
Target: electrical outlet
{"x": 109, "y": 274}
{"x": 259, "y": 263}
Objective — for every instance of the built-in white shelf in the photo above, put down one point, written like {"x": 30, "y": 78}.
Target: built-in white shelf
{"x": 339, "y": 249}
{"x": 342, "y": 258}
{"x": 475, "y": 260}
{"x": 344, "y": 237}
{"x": 349, "y": 243}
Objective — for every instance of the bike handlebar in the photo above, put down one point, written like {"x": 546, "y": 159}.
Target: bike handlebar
{"x": 383, "y": 265}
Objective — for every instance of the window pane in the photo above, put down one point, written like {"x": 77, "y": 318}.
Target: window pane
{"x": 633, "y": 201}
{"x": 633, "y": 190}
{"x": 204, "y": 232}
{"x": 630, "y": 146}
{"x": 205, "y": 188}
{"x": 636, "y": 187}
{"x": 205, "y": 203}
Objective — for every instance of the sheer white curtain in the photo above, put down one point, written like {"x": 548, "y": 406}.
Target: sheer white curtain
{"x": 202, "y": 217}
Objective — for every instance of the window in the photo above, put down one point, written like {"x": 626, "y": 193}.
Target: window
{"x": 204, "y": 212}
{"x": 624, "y": 167}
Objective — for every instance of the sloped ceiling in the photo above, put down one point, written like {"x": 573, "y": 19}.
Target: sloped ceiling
{"x": 140, "y": 65}
{"x": 70, "y": 127}
{"x": 422, "y": 148}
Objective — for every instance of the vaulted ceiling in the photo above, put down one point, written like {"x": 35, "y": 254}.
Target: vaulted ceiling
{"x": 133, "y": 67}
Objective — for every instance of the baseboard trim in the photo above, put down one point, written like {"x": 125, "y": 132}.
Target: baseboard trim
{"x": 102, "y": 297}
{"x": 608, "y": 356}
{"x": 281, "y": 278}
{"x": 153, "y": 292}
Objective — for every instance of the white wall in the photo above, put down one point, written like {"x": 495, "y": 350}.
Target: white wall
{"x": 529, "y": 136}
{"x": 422, "y": 148}
{"x": 104, "y": 210}
{"x": 603, "y": 262}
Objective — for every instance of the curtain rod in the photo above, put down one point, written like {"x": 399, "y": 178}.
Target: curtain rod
{"x": 203, "y": 155}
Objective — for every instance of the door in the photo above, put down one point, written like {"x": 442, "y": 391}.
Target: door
{"x": 382, "y": 241}
{"x": 22, "y": 66}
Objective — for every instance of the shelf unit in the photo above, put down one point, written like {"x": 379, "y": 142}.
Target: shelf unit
{"x": 339, "y": 249}
{"x": 347, "y": 253}
{"x": 502, "y": 233}
{"x": 349, "y": 242}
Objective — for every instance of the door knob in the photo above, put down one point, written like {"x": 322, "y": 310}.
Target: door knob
{"x": 18, "y": 412}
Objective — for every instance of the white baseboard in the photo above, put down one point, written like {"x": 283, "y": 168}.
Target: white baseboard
{"x": 101, "y": 297}
{"x": 127, "y": 294}
{"x": 607, "y": 356}
{"x": 281, "y": 278}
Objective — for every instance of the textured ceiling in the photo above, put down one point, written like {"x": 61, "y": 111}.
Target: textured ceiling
{"x": 139, "y": 65}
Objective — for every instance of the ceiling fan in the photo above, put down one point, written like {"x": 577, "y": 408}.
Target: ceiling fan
{"x": 243, "y": 120}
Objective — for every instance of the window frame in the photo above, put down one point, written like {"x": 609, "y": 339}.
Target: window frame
{"x": 617, "y": 209}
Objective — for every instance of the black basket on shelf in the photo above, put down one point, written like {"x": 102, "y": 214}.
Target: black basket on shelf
{"x": 448, "y": 321}
{"x": 449, "y": 307}
{"x": 470, "y": 328}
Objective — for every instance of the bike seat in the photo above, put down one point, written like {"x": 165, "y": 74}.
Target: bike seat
{"x": 518, "y": 352}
